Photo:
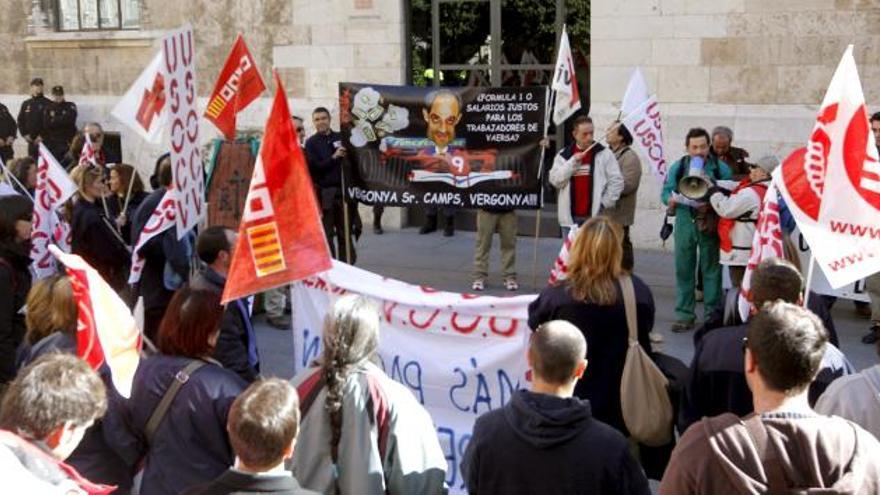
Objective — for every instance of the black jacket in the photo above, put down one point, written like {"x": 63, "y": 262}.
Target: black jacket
{"x": 190, "y": 446}
{"x": 325, "y": 170}
{"x": 234, "y": 482}
{"x": 93, "y": 457}
{"x": 232, "y": 345}
{"x": 7, "y": 124}
{"x": 162, "y": 249}
{"x": 30, "y": 116}
{"x": 59, "y": 122}
{"x": 607, "y": 333}
{"x": 93, "y": 239}
{"x": 717, "y": 381}
{"x": 545, "y": 444}
{"x": 15, "y": 283}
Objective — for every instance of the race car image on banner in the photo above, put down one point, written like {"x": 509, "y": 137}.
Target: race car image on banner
{"x": 471, "y": 147}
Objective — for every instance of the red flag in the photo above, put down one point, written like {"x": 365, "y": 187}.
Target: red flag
{"x": 280, "y": 239}
{"x": 238, "y": 85}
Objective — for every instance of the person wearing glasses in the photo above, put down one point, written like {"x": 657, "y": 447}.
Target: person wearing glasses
{"x": 717, "y": 382}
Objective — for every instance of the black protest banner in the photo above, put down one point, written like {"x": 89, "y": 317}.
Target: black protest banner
{"x": 470, "y": 147}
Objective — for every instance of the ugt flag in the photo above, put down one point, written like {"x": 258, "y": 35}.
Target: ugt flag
{"x": 54, "y": 188}
{"x": 142, "y": 109}
{"x": 833, "y": 185}
{"x": 280, "y": 239}
{"x": 642, "y": 119}
{"x": 238, "y": 85}
{"x": 568, "y": 99}
{"x": 105, "y": 328}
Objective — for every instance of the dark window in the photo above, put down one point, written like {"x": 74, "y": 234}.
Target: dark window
{"x": 92, "y": 15}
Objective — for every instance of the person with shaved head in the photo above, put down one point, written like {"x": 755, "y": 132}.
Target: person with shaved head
{"x": 545, "y": 440}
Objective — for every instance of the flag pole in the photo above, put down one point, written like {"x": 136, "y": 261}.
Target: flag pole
{"x": 809, "y": 282}
{"x": 551, "y": 97}
{"x": 346, "y": 222}
{"x": 9, "y": 175}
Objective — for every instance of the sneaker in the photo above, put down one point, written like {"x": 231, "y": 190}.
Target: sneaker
{"x": 479, "y": 285}
{"x": 280, "y": 323}
{"x": 873, "y": 334}
{"x": 377, "y": 229}
{"x": 510, "y": 284}
{"x": 682, "y": 326}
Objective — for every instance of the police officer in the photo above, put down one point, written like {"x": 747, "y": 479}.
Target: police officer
{"x": 30, "y": 116}
{"x": 59, "y": 123}
{"x": 7, "y": 133}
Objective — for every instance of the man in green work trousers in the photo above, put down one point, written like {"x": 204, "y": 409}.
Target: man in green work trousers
{"x": 695, "y": 231}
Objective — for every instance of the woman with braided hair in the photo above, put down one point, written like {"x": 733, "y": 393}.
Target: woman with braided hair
{"x": 362, "y": 433}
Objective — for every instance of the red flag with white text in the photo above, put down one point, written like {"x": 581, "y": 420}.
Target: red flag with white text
{"x": 281, "y": 239}
{"x": 238, "y": 85}
{"x": 832, "y": 186}
{"x": 105, "y": 329}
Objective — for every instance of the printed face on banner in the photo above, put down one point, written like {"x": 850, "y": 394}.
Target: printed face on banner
{"x": 186, "y": 160}
{"x": 460, "y": 355}
{"x": 468, "y": 147}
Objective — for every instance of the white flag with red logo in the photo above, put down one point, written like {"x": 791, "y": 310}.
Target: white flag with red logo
{"x": 88, "y": 156}
{"x": 767, "y": 243}
{"x": 54, "y": 187}
{"x": 142, "y": 108}
{"x": 642, "y": 120}
{"x": 559, "y": 271}
{"x": 832, "y": 186}
{"x": 160, "y": 220}
{"x": 105, "y": 329}
{"x": 568, "y": 99}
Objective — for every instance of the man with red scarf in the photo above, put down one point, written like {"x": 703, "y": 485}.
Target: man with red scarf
{"x": 586, "y": 176}
{"x": 738, "y": 209}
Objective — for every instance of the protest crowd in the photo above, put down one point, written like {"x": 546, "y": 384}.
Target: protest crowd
{"x": 97, "y": 400}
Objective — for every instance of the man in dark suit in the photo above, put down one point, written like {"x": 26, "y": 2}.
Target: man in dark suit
{"x": 59, "y": 123}
{"x": 30, "y": 117}
{"x": 263, "y": 424}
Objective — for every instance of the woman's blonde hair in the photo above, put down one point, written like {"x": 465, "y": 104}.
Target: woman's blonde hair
{"x": 86, "y": 176}
{"x": 51, "y": 308}
{"x": 594, "y": 263}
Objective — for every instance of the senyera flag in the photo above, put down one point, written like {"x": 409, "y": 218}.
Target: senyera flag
{"x": 238, "y": 85}
{"x": 832, "y": 186}
{"x": 280, "y": 239}
{"x": 54, "y": 187}
{"x": 568, "y": 99}
{"x": 142, "y": 108}
{"x": 767, "y": 243}
{"x": 105, "y": 329}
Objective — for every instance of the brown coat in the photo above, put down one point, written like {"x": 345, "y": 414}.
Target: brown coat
{"x": 717, "y": 455}
{"x": 631, "y": 168}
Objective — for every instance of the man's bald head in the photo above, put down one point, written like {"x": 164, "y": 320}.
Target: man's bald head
{"x": 556, "y": 350}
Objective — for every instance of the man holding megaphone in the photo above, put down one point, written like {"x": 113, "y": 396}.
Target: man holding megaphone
{"x": 685, "y": 191}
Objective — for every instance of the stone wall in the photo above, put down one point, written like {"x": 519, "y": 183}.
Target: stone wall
{"x": 760, "y": 67}
{"x": 313, "y": 44}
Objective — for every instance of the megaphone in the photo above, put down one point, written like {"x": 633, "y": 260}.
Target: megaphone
{"x": 696, "y": 184}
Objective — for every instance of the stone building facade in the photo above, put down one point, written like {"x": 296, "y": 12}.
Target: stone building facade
{"x": 760, "y": 67}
